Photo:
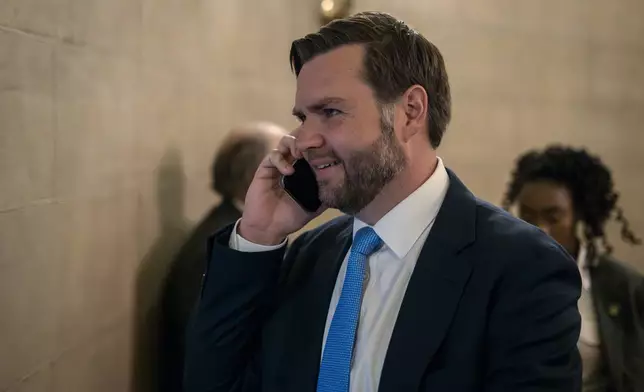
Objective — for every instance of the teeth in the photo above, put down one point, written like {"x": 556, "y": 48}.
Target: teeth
{"x": 327, "y": 165}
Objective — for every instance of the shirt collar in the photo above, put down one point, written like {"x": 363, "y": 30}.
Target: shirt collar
{"x": 583, "y": 264}
{"x": 401, "y": 227}
{"x": 582, "y": 261}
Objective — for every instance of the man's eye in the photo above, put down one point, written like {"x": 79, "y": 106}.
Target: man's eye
{"x": 329, "y": 112}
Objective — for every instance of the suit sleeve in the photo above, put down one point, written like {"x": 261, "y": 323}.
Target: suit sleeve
{"x": 535, "y": 325}
{"x": 238, "y": 292}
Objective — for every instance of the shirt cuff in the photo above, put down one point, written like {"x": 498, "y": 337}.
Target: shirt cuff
{"x": 237, "y": 242}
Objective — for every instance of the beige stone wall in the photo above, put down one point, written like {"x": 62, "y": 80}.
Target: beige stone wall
{"x": 110, "y": 112}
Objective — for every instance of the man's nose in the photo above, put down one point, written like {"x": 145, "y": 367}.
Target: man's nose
{"x": 307, "y": 138}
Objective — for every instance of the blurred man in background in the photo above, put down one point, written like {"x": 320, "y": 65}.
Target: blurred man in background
{"x": 232, "y": 172}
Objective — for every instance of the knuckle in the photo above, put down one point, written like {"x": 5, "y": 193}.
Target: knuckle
{"x": 277, "y": 158}
{"x": 273, "y": 157}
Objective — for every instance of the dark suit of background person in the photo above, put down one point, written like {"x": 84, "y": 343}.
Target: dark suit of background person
{"x": 491, "y": 302}
{"x": 232, "y": 171}
{"x": 619, "y": 293}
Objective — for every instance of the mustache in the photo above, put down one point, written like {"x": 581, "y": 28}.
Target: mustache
{"x": 315, "y": 154}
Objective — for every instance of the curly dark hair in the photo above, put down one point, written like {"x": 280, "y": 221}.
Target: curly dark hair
{"x": 590, "y": 184}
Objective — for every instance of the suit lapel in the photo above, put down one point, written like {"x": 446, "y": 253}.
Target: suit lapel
{"x": 311, "y": 306}
{"x": 433, "y": 292}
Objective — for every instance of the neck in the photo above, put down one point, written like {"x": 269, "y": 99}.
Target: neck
{"x": 398, "y": 189}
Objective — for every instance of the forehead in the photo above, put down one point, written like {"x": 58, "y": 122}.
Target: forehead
{"x": 540, "y": 195}
{"x": 336, "y": 73}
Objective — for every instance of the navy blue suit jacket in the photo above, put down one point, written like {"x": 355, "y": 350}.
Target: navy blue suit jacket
{"x": 491, "y": 306}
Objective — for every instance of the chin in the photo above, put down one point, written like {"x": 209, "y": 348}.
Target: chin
{"x": 329, "y": 196}
{"x": 330, "y": 202}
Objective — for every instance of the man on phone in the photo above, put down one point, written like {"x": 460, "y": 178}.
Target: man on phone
{"x": 420, "y": 287}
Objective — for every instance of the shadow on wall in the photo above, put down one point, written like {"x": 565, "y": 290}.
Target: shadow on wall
{"x": 152, "y": 271}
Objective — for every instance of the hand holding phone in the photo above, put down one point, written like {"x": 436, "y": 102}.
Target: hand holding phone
{"x": 270, "y": 213}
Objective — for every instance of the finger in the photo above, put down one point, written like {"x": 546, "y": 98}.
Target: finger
{"x": 277, "y": 159}
{"x": 267, "y": 170}
{"x": 296, "y": 131}
{"x": 287, "y": 147}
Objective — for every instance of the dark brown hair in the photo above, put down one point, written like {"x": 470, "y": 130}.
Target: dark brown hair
{"x": 396, "y": 58}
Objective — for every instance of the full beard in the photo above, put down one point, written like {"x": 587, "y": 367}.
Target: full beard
{"x": 367, "y": 172}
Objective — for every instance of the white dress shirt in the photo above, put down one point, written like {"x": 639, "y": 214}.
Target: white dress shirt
{"x": 403, "y": 230}
{"x": 593, "y": 377}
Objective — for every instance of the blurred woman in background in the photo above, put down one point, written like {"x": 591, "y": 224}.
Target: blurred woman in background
{"x": 569, "y": 194}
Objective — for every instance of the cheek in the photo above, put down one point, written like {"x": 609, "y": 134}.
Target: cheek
{"x": 563, "y": 230}
{"x": 364, "y": 128}
{"x": 341, "y": 149}
{"x": 340, "y": 138}
{"x": 348, "y": 137}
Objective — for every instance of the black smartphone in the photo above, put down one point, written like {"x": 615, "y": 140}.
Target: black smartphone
{"x": 302, "y": 186}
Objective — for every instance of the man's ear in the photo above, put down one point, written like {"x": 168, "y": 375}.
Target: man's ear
{"x": 414, "y": 104}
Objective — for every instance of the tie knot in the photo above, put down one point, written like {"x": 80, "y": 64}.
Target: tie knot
{"x": 366, "y": 241}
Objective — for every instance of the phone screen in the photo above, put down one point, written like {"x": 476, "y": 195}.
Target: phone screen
{"x": 302, "y": 186}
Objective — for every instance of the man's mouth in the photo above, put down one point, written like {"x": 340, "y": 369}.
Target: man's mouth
{"x": 326, "y": 165}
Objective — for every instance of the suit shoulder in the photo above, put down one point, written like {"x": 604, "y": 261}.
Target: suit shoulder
{"x": 512, "y": 236}
{"x": 519, "y": 258}
{"x": 619, "y": 269}
{"x": 494, "y": 223}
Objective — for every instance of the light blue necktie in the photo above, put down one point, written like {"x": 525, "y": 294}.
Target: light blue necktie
{"x": 335, "y": 368}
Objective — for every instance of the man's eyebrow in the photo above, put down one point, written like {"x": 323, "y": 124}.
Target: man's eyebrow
{"x": 552, "y": 210}
{"x": 315, "y": 107}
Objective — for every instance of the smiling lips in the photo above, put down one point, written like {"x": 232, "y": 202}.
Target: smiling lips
{"x": 325, "y": 165}
{"x": 324, "y": 169}
{"x": 321, "y": 162}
